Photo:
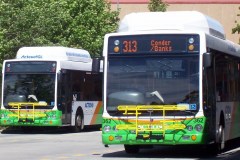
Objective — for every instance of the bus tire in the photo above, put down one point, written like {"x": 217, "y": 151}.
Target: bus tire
{"x": 219, "y": 145}
{"x": 79, "y": 122}
{"x": 221, "y": 138}
{"x": 131, "y": 149}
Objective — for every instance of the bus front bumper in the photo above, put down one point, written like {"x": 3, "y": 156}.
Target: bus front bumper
{"x": 38, "y": 118}
{"x": 154, "y": 139}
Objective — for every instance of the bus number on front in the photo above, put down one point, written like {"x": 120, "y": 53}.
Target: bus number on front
{"x": 130, "y": 46}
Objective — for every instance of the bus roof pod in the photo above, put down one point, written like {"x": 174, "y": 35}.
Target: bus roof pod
{"x": 172, "y": 20}
{"x": 53, "y": 53}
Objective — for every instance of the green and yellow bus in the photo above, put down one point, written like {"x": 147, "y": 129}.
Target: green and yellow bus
{"x": 51, "y": 86}
{"x": 170, "y": 78}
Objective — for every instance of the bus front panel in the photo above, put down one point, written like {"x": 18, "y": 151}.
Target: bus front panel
{"x": 152, "y": 90}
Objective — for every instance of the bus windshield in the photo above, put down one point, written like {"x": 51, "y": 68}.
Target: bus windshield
{"x": 24, "y": 87}
{"x": 152, "y": 80}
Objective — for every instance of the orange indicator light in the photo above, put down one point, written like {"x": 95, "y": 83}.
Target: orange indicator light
{"x": 111, "y": 138}
{"x": 116, "y": 49}
{"x": 194, "y": 137}
{"x": 191, "y": 47}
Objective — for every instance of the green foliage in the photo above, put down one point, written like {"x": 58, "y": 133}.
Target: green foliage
{"x": 70, "y": 23}
{"x": 89, "y": 27}
{"x": 157, "y": 6}
{"x": 236, "y": 29}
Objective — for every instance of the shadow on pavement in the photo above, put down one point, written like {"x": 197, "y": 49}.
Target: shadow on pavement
{"x": 167, "y": 152}
{"x": 182, "y": 152}
{"x": 46, "y": 130}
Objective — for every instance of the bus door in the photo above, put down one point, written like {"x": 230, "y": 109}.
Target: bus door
{"x": 209, "y": 98}
{"x": 66, "y": 97}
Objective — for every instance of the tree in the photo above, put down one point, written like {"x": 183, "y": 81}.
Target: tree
{"x": 89, "y": 27}
{"x": 70, "y": 23}
{"x": 237, "y": 28}
{"x": 157, "y": 6}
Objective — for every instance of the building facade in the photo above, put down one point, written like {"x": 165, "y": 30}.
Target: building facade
{"x": 225, "y": 11}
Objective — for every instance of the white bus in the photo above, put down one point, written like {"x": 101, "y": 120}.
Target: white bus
{"x": 170, "y": 78}
{"x": 51, "y": 86}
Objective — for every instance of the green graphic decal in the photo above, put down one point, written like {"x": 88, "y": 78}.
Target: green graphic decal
{"x": 154, "y": 131}
{"x": 30, "y": 118}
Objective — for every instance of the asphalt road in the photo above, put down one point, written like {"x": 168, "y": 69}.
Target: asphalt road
{"x": 60, "y": 144}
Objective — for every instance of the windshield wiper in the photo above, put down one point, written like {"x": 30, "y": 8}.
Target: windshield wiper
{"x": 158, "y": 95}
{"x": 189, "y": 112}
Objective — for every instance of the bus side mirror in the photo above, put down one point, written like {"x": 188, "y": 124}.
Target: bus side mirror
{"x": 60, "y": 75}
{"x": 207, "y": 60}
{"x": 96, "y": 64}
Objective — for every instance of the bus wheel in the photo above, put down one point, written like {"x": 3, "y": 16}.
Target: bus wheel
{"x": 79, "y": 122}
{"x": 220, "y": 144}
{"x": 131, "y": 149}
{"x": 221, "y": 138}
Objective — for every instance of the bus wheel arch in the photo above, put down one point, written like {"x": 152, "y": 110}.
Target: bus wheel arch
{"x": 79, "y": 120}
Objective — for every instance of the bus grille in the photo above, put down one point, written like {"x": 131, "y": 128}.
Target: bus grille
{"x": 27, "y": 115}
{"x": 144, "y": 129}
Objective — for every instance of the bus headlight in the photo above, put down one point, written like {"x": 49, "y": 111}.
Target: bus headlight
{"x": 189, "y": 128}
{"x": 4, "y": 116}
{"x": 52, "y": 116}
{"x": 115, "y": 129}
{"x": 199, "y": 127}
{"x": 106, "y": 128}
{"x": 132, "y": 131}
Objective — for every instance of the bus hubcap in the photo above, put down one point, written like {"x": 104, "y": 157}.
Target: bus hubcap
{"x": 79, "y": 121}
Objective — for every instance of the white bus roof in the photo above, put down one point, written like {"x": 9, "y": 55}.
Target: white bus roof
{"x": 174, "y": 20}
{"x": 53, "y": 53}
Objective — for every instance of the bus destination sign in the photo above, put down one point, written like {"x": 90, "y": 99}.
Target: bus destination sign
{"x": 153, "y": 44}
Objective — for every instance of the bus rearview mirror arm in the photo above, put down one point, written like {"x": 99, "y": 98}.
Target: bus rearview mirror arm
{"x": 207, "y": 59}
{"x": 96, "y": 62}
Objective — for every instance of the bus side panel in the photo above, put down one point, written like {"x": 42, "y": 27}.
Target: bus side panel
{"x": 92, "y": 111}
{"x": 234, "y": 120}
{"x": 227, "y": 75}
{"x": 231, "y": 112}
